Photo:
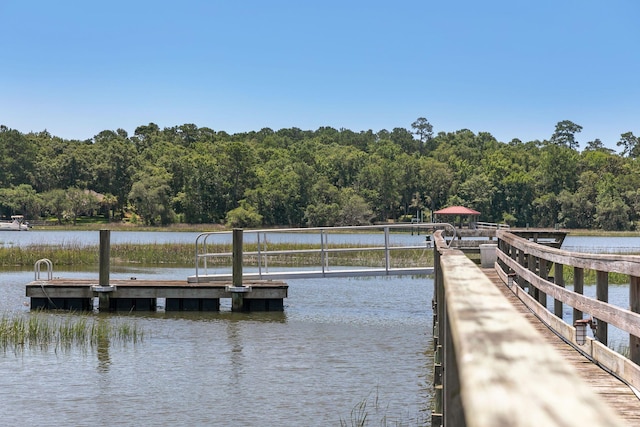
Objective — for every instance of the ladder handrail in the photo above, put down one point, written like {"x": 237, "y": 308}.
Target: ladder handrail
{"x": 37, "y": 269}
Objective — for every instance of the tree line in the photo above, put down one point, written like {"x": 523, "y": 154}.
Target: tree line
{"x": 294, "y": 177}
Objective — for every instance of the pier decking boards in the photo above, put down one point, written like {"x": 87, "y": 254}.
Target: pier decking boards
{"x": 614, "y": 392}
{"x": 142, "y": 295}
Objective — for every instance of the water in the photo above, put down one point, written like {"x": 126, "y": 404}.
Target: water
{"x": 339, "y": 342}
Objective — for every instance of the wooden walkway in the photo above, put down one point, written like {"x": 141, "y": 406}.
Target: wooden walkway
{"x": 614, "y": 393}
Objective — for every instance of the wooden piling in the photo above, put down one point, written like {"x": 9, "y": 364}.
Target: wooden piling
{"x": 103, "y": 279}
{"x": 237, "y": 298}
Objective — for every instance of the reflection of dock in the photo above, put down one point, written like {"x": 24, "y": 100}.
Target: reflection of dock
{"x": 142, "y": 295}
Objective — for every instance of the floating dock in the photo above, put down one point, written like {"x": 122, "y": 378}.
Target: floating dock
{"x": 143, "y": 295}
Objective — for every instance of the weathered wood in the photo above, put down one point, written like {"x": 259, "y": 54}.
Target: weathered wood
{"x": 619, "y": 317}
{"x": 578, "y": 288}
{"x": 237, "y": 257}
{"x": 105, "y": 257}
{"x": 602, "y": 293}
{"x": 558, "y": 278}
{"x": 625, "y": 264}
{"x": 634, "y": 306}
{"x": 501, "y": 358}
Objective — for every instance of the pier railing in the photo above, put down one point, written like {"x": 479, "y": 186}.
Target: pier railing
{"x": 491, "y": 366}
{"x": 322, "y": 247}
{"x": 537, "y": 271}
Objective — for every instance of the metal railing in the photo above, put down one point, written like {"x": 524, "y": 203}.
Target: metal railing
{"x": 318, "y": 241}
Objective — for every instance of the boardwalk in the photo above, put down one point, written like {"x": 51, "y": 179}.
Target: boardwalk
{"x": 614, "y": 393}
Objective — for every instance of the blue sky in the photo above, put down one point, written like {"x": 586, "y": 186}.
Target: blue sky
{"x": 511, "y": 68}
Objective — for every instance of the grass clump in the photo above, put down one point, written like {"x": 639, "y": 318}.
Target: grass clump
{"x": 369, "y": 411}
{"x": 43, "y": 331}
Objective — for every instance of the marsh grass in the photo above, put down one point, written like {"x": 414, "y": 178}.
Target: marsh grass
{"x": 39, "y": 330}
{"x": 370, "y": 411}
{"x": 590, "y": 277}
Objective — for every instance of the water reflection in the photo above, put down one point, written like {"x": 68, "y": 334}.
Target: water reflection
{"x": 234, "y": 341}
{"x": 103, "y": 343}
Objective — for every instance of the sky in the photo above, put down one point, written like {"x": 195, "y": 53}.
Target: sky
{"x": 511, "y": 68}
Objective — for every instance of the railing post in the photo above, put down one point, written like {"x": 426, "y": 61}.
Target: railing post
{"x": 634, "y": 305}
{"x": 532, "y": 264}
{"x": 578, "y": 287}
{"x": 259, "y": 256}
{"x": 521, "y": 260}
{"x": 387, "y": 260}
{"x": 602, "y": 294}
{"x": 323, "y": 254}
{"x": 542, "y": 272}
{"x": 558, "y": 278}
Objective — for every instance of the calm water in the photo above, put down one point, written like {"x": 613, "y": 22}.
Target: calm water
{"x": 337, "y": 344}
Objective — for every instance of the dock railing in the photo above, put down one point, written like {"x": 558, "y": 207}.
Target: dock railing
{"x": 491, "y": 226}
{"x": 528, "y": 266}
{"x": 321, "y": 248}
{"x": 491, "y": 366}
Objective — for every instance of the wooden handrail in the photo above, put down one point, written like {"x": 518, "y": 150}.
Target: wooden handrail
{"x": 498, "y": 370}
{"x": 525, "y": 259}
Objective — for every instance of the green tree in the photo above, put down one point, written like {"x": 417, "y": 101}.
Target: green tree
{"x": 150, "y": 198}
{"x": 244, "y": 216}
{"x": 565, "y": 134}
{"x": 21, "y": 199}
{"x": 630, "y": 145}
{"x": 17, "y": 158}
{"x": 56, "y": 203}
{"x": 354, "y": 209}
{"x": 424, "y": 130}
{"x": 80, "y": 202}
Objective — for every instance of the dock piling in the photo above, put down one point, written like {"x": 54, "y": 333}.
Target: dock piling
{"x": 103, "y": 279}
{"x": 237, "y": 291}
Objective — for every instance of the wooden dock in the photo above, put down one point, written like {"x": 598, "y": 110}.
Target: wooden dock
{"x": 613, "y": 392}
{"x": 143, "y": 295}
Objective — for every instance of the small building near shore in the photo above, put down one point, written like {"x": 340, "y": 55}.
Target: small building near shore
{"x": 458, "y": 216}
